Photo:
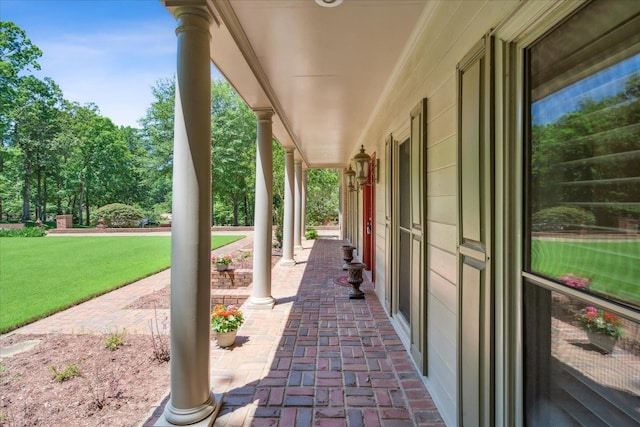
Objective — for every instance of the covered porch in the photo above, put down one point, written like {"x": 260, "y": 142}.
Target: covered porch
{"x": 317, "y": 358}
{"x": 440, "y": 97}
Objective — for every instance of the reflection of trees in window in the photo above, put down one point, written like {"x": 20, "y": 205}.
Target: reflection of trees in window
{"x": 590, "y": 157}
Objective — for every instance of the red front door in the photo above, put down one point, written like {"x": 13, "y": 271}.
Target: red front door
{"x": 368, "y": 219}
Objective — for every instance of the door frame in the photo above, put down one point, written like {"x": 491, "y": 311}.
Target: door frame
{"x": 413, "y": 332}
{"x": 369, "y": 218}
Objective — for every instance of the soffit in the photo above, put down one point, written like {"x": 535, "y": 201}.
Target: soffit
{"x": 323, "y": 70}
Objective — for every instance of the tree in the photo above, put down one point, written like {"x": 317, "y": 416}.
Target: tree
{"x": 10, "y": 200}
{"x": 322, "y": 196}
{"x": 99, "y": 167}
{"x": 17, "y": 56}
{"x": 233, "y": 145}
{"x": 155, "y": 154}
{"x": 278, "y": 188}
{"x": 588, "y": 157}
{"x": 34, "y": 125}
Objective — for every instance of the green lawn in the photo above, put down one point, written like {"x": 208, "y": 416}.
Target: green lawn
{"x": 40, "y": 276}
{"x": 613, "y": 266}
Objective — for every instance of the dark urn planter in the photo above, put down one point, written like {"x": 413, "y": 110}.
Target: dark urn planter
{"x": 355, "y": 278}
{"x": 347, "y": 255}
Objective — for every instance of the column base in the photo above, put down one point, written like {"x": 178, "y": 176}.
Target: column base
{"x": 191, "y": 417}
{"x": 287, "y": 262}
{"x": 262, "y": 303}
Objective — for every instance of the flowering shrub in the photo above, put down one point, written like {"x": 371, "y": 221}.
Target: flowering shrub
{"x": 221, "y": 259}
{"x": 600, "y": 321}
{"x": 581, "y": 283}
{"x": 226, "y": 318}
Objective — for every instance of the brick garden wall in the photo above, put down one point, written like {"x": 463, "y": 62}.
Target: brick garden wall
{"x": 231, "y": 279}
{"x": 231, "y": 286}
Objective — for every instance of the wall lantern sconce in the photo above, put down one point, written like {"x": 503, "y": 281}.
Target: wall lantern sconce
{"x": 362, "y": 166}
{"x": 362, "y": 161}
{"x": 350, "y": 174}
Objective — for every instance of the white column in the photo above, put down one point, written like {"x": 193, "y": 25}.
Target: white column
{"x": 303, "y": 203}
{"x": 191, "y": 399}
{"x": 287, "y": 226}
{"x": 297, "y": 215}
{"x": 263, "y": 223}
{"x": 343, "y": 205}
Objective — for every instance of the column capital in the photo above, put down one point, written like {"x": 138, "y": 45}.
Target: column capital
{"x": 263, "y": 114}
{"x": 187, "y": 14}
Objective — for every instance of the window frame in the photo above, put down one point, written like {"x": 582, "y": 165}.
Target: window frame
{"x": 526, "y": 176}
{"x": 524, "y": 26}
{"x": 520, "y": 107}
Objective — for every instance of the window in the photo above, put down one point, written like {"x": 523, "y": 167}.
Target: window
{"x": 582, "y": 207}
{"x": 584, "y": 192}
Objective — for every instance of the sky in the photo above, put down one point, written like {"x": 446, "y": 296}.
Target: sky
{"x": 107, "y": 52}
{"x": 605, "y": 83}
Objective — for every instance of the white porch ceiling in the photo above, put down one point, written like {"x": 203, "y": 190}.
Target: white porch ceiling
{"x": 323, "y": 70}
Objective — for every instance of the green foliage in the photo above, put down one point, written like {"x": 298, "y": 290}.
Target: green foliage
{"x": 155, "y": 150}
{"x": 279, "y": 236}
{"x": 22, "y": 232}
{"x": 60, "y": 157}
{"x": 221, "y": 259}
{"x": 233, "y": 153}
{"x": 36, "y": 120}
{"x": 588, "y": 156}
{"x": 600, "y": 322}
{"x": 99, "y": 167}
{"x": 322, "y": 196}
{"x": 34, "y": 287}
{"x": 278, "y": 190}
{"x": 115, "y": 340}
{"x": 118, "y": 215}
{"x": 311, "y": 234}
{"x": 71, "y": 371}
{"x": 17, "y": 57}
{"x": 17, "y": 53}
{"x": 562, "y": 218}
{"x": 226, "y": 318}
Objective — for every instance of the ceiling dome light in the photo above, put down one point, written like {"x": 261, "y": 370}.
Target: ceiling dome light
{"x": 329, "y": 3}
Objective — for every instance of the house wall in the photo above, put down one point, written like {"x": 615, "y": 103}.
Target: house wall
{"x": 450, "y": 30}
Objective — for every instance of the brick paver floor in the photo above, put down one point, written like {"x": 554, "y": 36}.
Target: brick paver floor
{"x": 319, "y": 358}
